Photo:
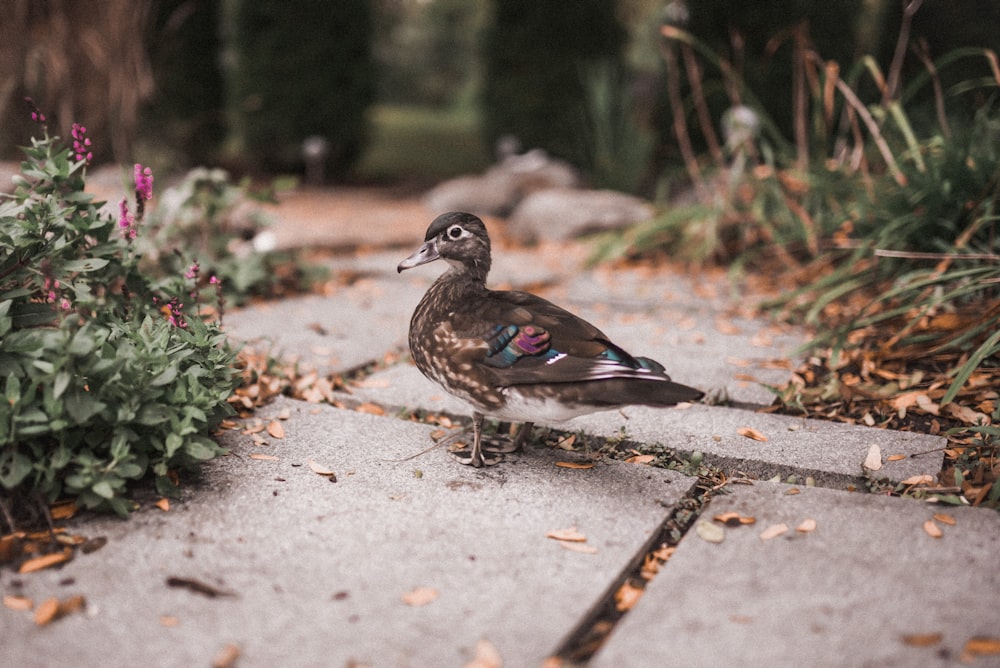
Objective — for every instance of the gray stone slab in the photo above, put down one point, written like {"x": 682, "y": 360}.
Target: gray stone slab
{"x": 830, "y": 452}
{"x": 319, "y": 569}
{"x": 335, "y": 333}
{"x": 846, "y": 594}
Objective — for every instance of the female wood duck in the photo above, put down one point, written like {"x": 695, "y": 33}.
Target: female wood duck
{"x": 515, "y": 356}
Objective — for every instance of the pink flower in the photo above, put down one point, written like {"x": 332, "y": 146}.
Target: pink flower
{"x": 143, "y": 182}
{"x": 81, "y": 144}
{"x": 126, "y": 221}
{"x": 36, "y": 115}
{"x": 192, "y": 271}
{"x": 214, "y": 280}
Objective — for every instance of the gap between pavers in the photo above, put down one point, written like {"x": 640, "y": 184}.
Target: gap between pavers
{"x": 319, "y": 568}
{"x": 830, "y": 452}
{"x": 845, "y": 594}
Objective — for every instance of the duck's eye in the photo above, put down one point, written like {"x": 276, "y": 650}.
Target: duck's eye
{"x": 455, "y": 231}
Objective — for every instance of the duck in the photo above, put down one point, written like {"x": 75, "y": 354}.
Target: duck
{"x": 512, "y": 355}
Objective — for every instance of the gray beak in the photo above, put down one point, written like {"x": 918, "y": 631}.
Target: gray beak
{"x": 428, "y": 252}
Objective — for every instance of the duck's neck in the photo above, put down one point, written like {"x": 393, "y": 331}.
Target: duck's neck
{"x": 458, "y": 284}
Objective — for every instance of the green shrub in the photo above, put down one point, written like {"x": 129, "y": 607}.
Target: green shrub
{"x": 107, "y": 374}
{"x": 222, "y": 234}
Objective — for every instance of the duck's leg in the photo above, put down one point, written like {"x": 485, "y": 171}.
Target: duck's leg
{"x": 474, "y": 456}
{"x": 522, "y": 435}
{"x": 501, "y": 446}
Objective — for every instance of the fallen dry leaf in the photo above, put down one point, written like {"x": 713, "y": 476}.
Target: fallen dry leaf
{"x": 19, "y": 603}
{"x": 571, "y": 535}
{"x": 319, "y": 469}
{"x": 773, "y": 531}
{"x": 163, "y": 504}
{"x": 708, "y": 532}
{"x": 733, "y": 519}
{"x": 627, "y": 596}
{"x": 420, "y": 596}
{"x": 63, "y": 510}
{"x": 255, "y": 428}
{"x": 567, "y": 443}
{"x": 169, "y": 621}
{"x": 982, "y": 646}
{"x": 873, "y": 461}
{"x": 895, "y": 458}
{"x": 918, "y": 480}
{"x": 640, "y": 459}
{"x": 275, "y": 429}
{"x": 227, "y": 656}
{"x": 792, "y": 491}
{"x": 47, "y": 611}
{"x": 806, "y": 526}
{"x": 575, "y": 465}
{"x": 932, "y": 529}
{"x": 944, "y": 518}
{"x": 922, "y": 639}
{"x": 370, "y": 408}
{"x": 578, "y": 547}
{"x": 45, "y": 561}
{"x": 487, "y": 656}
{"x": 751, "y": 433}
{"x": 268, "y": 458}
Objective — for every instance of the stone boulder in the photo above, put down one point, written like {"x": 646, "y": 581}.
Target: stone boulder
{"x": 498, "y": 190}
{"x": 565, "y": 213}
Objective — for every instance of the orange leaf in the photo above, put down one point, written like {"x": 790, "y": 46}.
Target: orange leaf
{"x": 571, "y": 534}
{"x": 627, "y": 596}
{"x": 370, "y": 408}
{"x": 578, "y": 547}
{"x": 944, "y": 518}
{"x": 932, "y": 529}
{"x": 773, "y": 531}
{"x": 47, "y": 611}
{"x": 922, "y": 639}
{"x": 269, "y": 458}
{"x": 806, "y": 526}
{"x": 63, "y": 511}
{"x": 275, "y": 429}
{"x": 319, "y": 469}
{"x": 576, "y": 465}
{"x": 640, "y": 459}
{"x": 983, "y": 646}
{"x": 420, "y": 596}
{"x": 163, "y": 504}
{"x": 19, "y": 603}
{"x": 733, "y": 518}
{"x": 895, "y": 458}
{"x": 751, "y": 433}
{"x": 227, "y": 656}
{"x": 918, "y": 480}
{"x": 45, "y": 561}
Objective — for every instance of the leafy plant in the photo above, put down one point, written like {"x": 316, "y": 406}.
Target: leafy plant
{"x": 222, "y": 234}
{"x": 107, "y": 373}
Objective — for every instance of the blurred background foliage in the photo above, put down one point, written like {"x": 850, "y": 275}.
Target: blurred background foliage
{"x": 404, "y": 89}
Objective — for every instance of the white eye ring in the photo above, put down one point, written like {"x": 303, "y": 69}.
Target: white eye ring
{"x": 457, "y": 232}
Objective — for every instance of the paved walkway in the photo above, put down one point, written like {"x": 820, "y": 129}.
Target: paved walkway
{"x": 408, "y": 559}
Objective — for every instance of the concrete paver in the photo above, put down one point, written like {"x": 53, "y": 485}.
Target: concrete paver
{"x": 849, "y": 593}
{"x": 831, "y": 453}
{"x": 319, "y": 569}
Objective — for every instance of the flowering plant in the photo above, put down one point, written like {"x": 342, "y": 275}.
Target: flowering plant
{"x": 105, "y": 375}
